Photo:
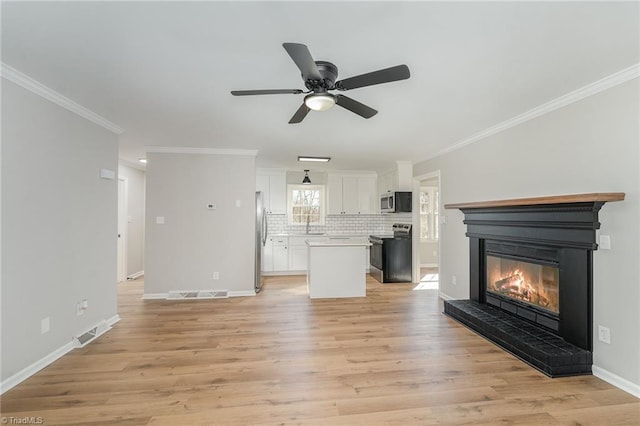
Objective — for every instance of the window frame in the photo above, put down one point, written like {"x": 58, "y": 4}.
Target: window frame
{"x": 433, "y": 214}
{"x": 290, "y": 205}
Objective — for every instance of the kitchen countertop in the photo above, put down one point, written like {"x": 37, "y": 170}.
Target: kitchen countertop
{"x": 337, "y": 242}
{"x": 321, "y": 235}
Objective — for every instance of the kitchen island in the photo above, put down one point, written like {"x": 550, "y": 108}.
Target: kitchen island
{"x": 335, "y": 268}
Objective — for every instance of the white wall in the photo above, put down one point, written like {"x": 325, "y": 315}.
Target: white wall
{"x": 59, "y": 226}
{"x": 588, "y": 146}
{"x": 194, "y": 242}
{"x": 135, "y": 226}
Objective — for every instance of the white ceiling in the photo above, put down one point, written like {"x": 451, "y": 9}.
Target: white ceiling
{"x": 163, "y": 70}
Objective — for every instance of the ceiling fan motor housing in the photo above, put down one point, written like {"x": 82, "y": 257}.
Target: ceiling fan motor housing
{"x": 329, "y": 73}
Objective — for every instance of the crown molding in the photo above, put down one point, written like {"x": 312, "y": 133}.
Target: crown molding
{"x": 40, "y": 89}
{"x": 598, "y": 86}
{"x": 191, "y": 150}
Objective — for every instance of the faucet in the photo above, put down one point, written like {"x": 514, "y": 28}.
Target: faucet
{"x": 308, "y": 222}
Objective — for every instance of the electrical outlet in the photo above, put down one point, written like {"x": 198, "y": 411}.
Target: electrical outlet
{"x": 216, "y": 275}
{"x": 605, "y": 242}
{"x": 454, "y": 280}
{"x": 604, "y": 334}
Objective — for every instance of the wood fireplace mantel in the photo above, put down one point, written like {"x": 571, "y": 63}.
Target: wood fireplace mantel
{"x": 554, "y": 199}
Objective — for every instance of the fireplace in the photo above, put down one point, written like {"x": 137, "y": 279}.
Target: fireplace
{"x": 531, "y": 278}
{"x": 522, "y": 281}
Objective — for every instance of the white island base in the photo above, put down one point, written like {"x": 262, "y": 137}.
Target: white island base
{"x": 335, "y": 269}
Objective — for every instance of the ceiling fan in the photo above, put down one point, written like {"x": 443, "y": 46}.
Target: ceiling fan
{"x": 320, "y": 77}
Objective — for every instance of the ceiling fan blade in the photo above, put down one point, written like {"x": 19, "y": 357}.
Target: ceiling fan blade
{"x": 303, "y": 59}
{"x": 266, "y": 92}
{"x": 354, "y": 106}
{"x": 300, "y": 114}
{"x": 399, "y": 72}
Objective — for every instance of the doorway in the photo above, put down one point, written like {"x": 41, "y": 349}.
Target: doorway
{"x": 122, "y": 229}
{"x": 427, "y": 225}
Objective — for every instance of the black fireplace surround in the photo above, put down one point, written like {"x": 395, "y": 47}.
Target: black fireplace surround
{"x": 558, "y": 232}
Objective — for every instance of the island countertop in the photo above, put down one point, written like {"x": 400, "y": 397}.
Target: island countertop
{"x": 337, "y": 242}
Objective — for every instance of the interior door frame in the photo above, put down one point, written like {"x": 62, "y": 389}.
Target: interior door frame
{"x": 416, "y": 222}
{"x": 123, "y": 221}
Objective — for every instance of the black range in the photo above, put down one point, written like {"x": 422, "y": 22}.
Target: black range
{"x": 390, "y": 255}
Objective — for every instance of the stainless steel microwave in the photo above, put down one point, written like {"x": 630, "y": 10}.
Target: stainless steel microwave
{"x": 395, "y": 202}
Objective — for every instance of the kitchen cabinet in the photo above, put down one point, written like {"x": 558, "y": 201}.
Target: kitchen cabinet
{"x": 297, "y": 254}
{"x": 398, "y": 179}
{"x": 298, "y": 251}
{"x": 351, "y": 194}
{"x": 274, "y": 187}
{"x": 280, "y": 254}
{"x": 275, "y": 255}
{"x": 267, "y": 256}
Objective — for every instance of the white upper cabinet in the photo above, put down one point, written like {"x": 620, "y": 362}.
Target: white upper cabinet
{"x": 398, "y": 179}
{"x": 368, "y": 197}
{"x": 274, "y": 187}
{"x": 351, "y": 194}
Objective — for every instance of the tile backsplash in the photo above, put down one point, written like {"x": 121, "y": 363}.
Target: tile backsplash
{"x": 354, "y": 224}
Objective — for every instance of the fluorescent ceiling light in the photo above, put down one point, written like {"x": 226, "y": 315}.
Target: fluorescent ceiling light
{"x": 314, "y": 159}
{"x": 142, "y": 160}
{"x": 319, "y": 102}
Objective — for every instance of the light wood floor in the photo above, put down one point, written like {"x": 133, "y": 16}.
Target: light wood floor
{"x": 279, "y": 358}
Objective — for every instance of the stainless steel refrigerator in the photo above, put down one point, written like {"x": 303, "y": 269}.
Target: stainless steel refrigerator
{"x": 261, "y": 238}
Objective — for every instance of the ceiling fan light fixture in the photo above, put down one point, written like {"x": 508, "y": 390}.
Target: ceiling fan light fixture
{"x": 306, "y": 180}
{"x": 320, "y": 101}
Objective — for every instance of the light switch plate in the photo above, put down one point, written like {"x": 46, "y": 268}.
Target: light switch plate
{"x": 160, "y": 220}
{"x": 605, "y": 242}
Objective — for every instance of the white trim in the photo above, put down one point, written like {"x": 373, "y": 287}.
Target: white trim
{"x": 444, "y": 296}
{"x": 242, "y": 293}
{"x": 40, "y": 89}
{"x": 113, "y": 320}
{"x": 32, "y": 369}
{"x": 191, "y": 150}
{"x": 598, "y": 86}
{"x": 155, "y": 296}
{"x": 165, "y": 296}
{"x": 45, "y": 361}
{"x": 135, "y": 275}
{"x": 617, "y": 381}
{"x": 124, "y": 232}
{"x": 428, "y": 265}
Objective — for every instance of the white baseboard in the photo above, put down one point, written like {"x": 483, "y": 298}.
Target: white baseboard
{"x": 32, "y": 369}
{"x": 444, "y": 296}
{"x": 276, "y": 273}
{"x": 617, "y": 381}
{"x": 165, "y": 296}
{"x": 135, "y": 275}
{"x": 155, "y": 296}
{"x": 243, "y": 293}
{"x": 114, "y": 319}
{"x": 428, "y": 265}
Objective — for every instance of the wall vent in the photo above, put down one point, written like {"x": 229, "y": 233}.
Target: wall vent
{"x": 89, "y": 335}
{"x": 197, "y": 294}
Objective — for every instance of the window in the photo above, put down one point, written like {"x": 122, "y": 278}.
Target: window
{"x": 305, "y": 204}
{"x": 429, "y": 206}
